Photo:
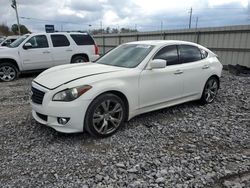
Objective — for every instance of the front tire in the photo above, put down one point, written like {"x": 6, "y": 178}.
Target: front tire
{"x": 8, "y": 72}
{"x": 105, "y": 115}
{"x": 210, "y": 90}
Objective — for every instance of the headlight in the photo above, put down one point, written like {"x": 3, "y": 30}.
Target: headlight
{"x": 71, "y": 94}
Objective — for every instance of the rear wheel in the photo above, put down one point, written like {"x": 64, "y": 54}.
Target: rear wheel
{"x": 210, "y": 90}
{"x": 8, "y": 72}
{"x": 79, "y": 59}
{"x": 105, "y": 115}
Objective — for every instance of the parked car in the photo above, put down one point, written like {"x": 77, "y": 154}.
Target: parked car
{"x": 8, "y": 40}
{"x": 132, "y": 79}
{"x": 2, "y": 39}
{"x": 40, "y": 51}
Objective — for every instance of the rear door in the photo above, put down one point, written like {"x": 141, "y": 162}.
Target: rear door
{"x": 62, "y": 50}
{"x": 85, "y": 44}
{"x": 38, "y": 56}
{"x": 195, "y": 69}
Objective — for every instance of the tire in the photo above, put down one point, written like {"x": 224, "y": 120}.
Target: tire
{"x": 8, "y": 72}
{"x": 210, "y": 90}
{"x": 105, "y": 115}
{"x": 79, "y": 59}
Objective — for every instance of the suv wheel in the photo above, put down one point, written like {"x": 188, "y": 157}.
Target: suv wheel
{"x": 8, "y": 72}
{"x": 79, "y": 59}
{"x": 105, "y": 115}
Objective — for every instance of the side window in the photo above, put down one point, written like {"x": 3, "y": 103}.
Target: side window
{"x": 204, "y": 54}
{"x": 189, "y": 53}
{"x": 59, "y": 40}
{"x": 81, "y": 39}
{"x": 39, "y": 41}
{"x": 168, "y": 53}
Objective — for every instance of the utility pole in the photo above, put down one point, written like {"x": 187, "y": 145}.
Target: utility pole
{"x": 161, "y": 28}
{"x": 196, "y": 22}
{"x": 14, "y": 6}
{"x": 190, "y": 17}
{"x": 101, "y": 27}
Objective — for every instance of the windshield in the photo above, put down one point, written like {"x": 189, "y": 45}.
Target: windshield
{"x": 127, "y": 55}
{"x": 18, "y": 41}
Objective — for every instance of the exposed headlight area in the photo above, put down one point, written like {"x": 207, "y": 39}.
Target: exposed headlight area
{"x": 71, "y": 94}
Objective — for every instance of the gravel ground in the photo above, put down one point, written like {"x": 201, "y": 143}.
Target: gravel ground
{"x": 188, "y": 145}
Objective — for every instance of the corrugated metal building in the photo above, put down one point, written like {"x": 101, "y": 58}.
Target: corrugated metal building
{"x": 231, "y": 43}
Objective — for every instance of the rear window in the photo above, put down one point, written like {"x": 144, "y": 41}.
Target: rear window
{"x": 82, "y": 39}
{"x": 59, "y": 40}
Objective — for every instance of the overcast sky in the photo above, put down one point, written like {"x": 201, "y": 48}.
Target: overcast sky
{"x": 145, "y": 15}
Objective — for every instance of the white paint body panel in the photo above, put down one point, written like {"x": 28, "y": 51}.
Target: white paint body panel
{"x": 145, "y": 89}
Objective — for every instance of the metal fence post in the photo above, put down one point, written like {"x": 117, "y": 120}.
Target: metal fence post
{"x": 103, "y": 44}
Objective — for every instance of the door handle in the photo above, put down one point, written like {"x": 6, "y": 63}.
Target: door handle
{"x": 46, "y": 52}
{"x": 69, "y": 50}
{"x": 178, "y": 72}
{"x": 205, "y": 67}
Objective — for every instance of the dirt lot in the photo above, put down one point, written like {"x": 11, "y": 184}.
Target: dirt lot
{"x": 183, "y": 146}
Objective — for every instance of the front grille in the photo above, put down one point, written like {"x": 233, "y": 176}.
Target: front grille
{"x": 42, "y": 116}
{"x": 37, "y": 95}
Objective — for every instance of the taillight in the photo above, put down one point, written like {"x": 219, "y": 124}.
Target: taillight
{"x": 96, "y": 50}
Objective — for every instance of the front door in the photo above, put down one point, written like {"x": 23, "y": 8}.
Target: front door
{"x": 38, "y": 55}
{"x": 159, "y": 86}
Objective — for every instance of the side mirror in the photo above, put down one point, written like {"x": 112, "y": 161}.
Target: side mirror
{"x": 27, "y": 45}
{"x": 158, "y": 64}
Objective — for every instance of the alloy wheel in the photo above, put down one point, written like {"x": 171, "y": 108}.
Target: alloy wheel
{"x": 7, "y": 73}
{"x": 211, "y": 90}
{"x": 107, "y": 117}
{"x": 79, "y": 61}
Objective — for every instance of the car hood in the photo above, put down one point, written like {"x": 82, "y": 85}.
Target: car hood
{"x": 59, "y": 75}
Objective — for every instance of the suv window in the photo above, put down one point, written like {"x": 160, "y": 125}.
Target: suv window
{"x": 81, "y": 39}
{"x": 59, "y": 40}
{"x": 39, "y": 41}
{"x": 189, "y": 53}
{"x": 168, "y": 53}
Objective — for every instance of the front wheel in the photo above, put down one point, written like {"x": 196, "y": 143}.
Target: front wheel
{"x": 105, "y": 115}
{"x": 210, "y": 90}
{"x": 8, "y": 72}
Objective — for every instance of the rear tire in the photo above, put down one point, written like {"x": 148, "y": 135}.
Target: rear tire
{"x": 8, "y": 72}
{"x": 105, "y": 115}
{"x": 210, "y": 90}
{"x": 79, "y": 59}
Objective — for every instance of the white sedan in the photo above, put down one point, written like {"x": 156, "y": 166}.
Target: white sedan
{"x": 132, "y": 79}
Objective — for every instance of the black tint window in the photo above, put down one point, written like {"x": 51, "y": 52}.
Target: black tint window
{"x": 168, "y": 53}
{"x": 81, "y": 39}
{"x": 39, "y": 41}
{"x": 59, "y": 40}
{"x": 204, "y": 54}
{"x": 189, "y": 53}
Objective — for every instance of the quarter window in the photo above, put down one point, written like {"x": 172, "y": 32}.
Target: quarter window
{"x": 81, "y": 39}
{"x": 39, "y": 41}
{"x": 168, "y": 53}
{"x": 204, "y": 54}
{"x": 59, "y": 40}
{"x": 189, "y": 53}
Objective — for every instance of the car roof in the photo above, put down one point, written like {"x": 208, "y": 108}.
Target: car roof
{"x": 43, "y": 33}
{"x": 12, "y": 37}
{"x": 162, "y": 42}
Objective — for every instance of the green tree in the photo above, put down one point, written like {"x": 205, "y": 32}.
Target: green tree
{"x": 23, "y": 29}
{"x": 4, "y": 30}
